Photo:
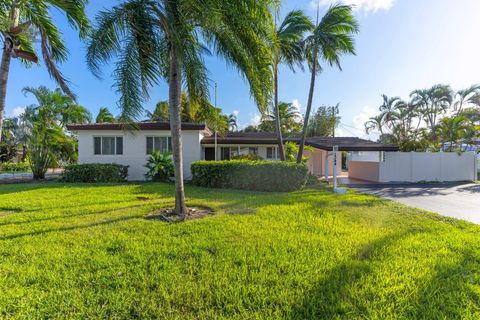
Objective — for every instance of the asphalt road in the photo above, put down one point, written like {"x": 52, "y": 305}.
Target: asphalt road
{"x": 461, "y": 201}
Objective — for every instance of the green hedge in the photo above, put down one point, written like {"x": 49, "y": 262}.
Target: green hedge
{"x": 94, "y": 172}
{"x": 250, "y": 175}
{"x": 15, "y": 166}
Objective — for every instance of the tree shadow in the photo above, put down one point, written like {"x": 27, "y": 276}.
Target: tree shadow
{"x": 68, "y": 228}
{"x": 326, "y": 299}
{"x": 452, "y": 293}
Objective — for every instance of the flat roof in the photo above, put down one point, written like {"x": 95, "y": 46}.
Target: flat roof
{"x": 147, "y": 125}
{"x": 324, "y": 143}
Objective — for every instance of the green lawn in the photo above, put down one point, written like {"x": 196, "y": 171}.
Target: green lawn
{"x": 85, "y": 251}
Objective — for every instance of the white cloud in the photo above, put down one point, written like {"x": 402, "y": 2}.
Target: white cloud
{"x": 357, "y": 126}
{"x": 255, "y": 119}
{"x": 16, "y": 112}
{"x": 296, "y": 104}
{"x": 236, "y": 113}
{"x": 361, "y": 5}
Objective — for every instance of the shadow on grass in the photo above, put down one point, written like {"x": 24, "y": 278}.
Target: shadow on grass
{"x": 327, "y": 298}
{"x": 452, "y": 293}
{"x": 68, "y": 228}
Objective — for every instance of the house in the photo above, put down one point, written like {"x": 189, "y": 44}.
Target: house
{"x": 114, "y": 143}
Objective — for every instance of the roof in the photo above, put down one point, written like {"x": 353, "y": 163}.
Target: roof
{"x": 324, "y": 143}
{"x": 147, "y": 125}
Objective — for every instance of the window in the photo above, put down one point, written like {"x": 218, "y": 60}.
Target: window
{"x": 225, "y": 154}
{"x": 107, "y": 145}
{"x": 160, "y": 144}
{"x": 272, "y": 153}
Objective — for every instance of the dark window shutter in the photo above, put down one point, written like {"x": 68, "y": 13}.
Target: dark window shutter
{"x": 119, "y": 148}
{"x": 97, "y": 145}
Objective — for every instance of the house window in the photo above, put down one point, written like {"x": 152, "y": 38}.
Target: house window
{"x": 272, "y": 153}
{"x": 225, "y": 153}
{"x": 160, "y": 144}
{"x": 108, "y": 145}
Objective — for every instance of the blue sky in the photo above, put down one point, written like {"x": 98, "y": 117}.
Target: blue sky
{"x": 402, "y": 45}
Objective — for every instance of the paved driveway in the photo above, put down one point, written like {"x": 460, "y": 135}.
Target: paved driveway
{"x": 461, "y": 201}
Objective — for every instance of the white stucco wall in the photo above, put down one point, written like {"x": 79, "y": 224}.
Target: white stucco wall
{"x": 135, "y": 149}
{"x": 428, "y": 166}
{"x": 316, "y": 162}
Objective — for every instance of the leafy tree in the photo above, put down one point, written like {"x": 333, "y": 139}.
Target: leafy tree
{"x": 331, "y": 38}
{"x": 250, "y": 128}
{"x": 26, "y": 21}
{"x": 452, "y": 130}
{"x": 105, "y": 116}
{"x": 157, "y": 40}
{"x": 287, "y": 48}
{"x": 324, "y": 122}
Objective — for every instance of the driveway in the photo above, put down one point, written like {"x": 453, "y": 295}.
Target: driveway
{"x": 461, "y": 201}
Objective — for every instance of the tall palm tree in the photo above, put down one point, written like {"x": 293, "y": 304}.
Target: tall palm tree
{"x": 469, "y": 96}
{"x": 160, "y": 39}
{"x": 105, "y": 116}
{"x": 232, "y": 122}
{"x": 27, "y": 20}
{"x": 290, "y": 119}
{"x": 331, "y": 38}
{"x": 287, "y": 48}
{"x": 453, "y": 129}
{"x": 432, "y": 104}
{"x": 375, "y": 123}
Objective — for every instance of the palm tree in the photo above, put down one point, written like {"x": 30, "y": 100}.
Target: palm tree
{"x": 290, "y": 119}
{"x": 105, "y": 116}
{"x": 157, "y": 40}
{"x": 469, "y": 96}
{"x": 432, "y": 104}
{"x": 287, "y": 48}
{"x": 453, "y": 129}
{"x": 375, "y": 123}
{"x": 232, "y": 122}
{"x": 331, "y": 38}
{"x": 27, "y": 20}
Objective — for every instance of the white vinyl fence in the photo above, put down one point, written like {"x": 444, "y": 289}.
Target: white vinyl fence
{"x": 417, "y": 167}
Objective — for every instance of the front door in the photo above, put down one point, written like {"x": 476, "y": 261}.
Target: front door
{"x": 209, "y": 154}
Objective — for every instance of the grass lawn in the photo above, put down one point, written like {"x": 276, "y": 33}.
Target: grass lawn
{"x": 86, "y": 251}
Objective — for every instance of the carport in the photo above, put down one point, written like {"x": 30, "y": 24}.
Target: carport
{"x": 321, "y": 161}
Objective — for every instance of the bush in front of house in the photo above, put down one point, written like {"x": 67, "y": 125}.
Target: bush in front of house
{"x": 160, "y": 167}
{"x": 94, "y": 172}
{"x": 15, "y": 166}
{"x": 250, "y": 175}
{"x": 251, "y": 157}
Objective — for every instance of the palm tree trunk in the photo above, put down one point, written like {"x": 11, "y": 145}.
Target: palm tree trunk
{"x": 5, "y": 63}
{"x": 278, "y": 125}
{"x": 309, "y": 108}
{"x": 175, "y": 87}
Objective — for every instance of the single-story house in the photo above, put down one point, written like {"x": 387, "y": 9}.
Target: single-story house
{"x": 113, "y": 143}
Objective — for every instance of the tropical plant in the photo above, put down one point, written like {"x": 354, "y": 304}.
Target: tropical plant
{"x": 160, "y": 167}
{"x": 26, "y": 21}
{"x": 290, "y": 119}
{"x": 452, "y": 130}
{"x": 331, "y": 38}
{"x": 156, "y": 40}
{"x": 467, "y": 98}
{"x": 287, "y": 48}
{"x": 105, "y": 116}
{"x": 232, "y": 122}
{"x": 291, "y": 152}
{"x": 324, "y": 122}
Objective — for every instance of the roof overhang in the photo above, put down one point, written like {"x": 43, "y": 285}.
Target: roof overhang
{"x": 135, "y": 126}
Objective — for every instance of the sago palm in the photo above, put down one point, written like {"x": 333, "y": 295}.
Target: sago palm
{"x": 331, "y": 38}
{"x": 161, "y": 40}
{"x": 287, "y": 49}
{"x": 22, "y": 22}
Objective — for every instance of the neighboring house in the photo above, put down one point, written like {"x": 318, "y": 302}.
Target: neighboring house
{"x": 113, "y": 143}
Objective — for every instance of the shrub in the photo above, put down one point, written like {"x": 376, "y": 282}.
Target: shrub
{"x": 15, "y": 166}
{"x": 160, "y": 167}
{"x": 251, "y": 157}
{"x": 7, "y": 152}
{"x": 250, "y": 175}
{"x": 95, "y": 172}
